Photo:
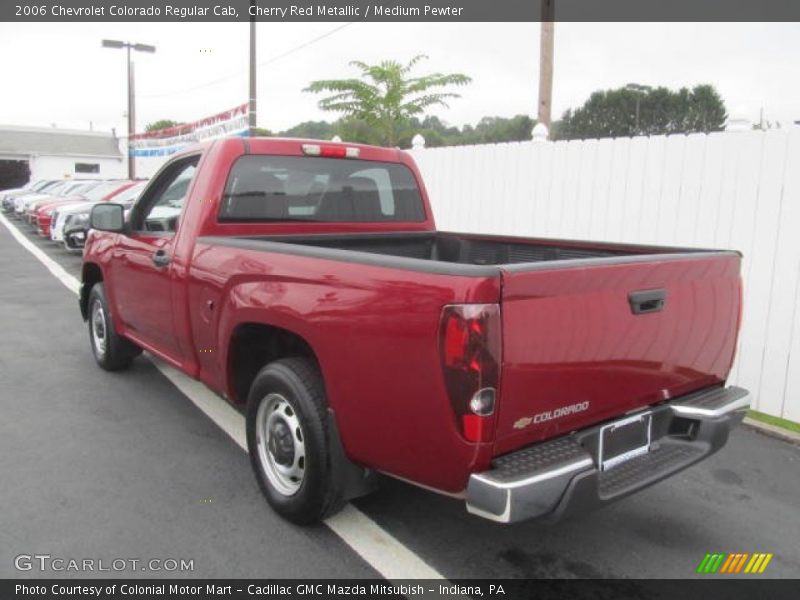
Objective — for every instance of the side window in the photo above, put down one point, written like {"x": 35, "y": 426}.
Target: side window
{"x": 162, "y": 209}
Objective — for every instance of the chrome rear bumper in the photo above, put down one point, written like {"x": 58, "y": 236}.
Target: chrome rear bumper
{"x": 562, "y": 476}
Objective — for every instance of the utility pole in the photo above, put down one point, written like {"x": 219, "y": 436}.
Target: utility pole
{"x": 546, "y": 63}
{"x": 131, "y": 116}
{"x": 251, "y": 112}
{"x": 640, "y": 91}
{"x": 131, "y": 95}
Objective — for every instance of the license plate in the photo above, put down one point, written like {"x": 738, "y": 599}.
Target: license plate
{"x": 624, "y": 440}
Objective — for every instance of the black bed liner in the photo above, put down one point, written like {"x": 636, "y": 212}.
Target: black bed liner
{"x": 454, "y": 253}
{"x": 453, "y": 248}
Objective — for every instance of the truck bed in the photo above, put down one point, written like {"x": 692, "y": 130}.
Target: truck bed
{"x": 578, "y": 328}
{"x": 450, "y": 248}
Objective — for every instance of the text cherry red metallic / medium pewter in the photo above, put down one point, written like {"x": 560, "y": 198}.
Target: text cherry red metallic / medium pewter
{"x": 307, "y": 280}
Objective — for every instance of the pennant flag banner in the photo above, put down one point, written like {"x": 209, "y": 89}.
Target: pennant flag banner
{"x": 163, "y": 142}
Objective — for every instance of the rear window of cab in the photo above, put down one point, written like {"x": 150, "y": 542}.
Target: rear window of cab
{"x": 266, "y": 188}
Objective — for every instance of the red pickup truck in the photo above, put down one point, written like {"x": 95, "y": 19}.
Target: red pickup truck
{"x": 305, "y": 282}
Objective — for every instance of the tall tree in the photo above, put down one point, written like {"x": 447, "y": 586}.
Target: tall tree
{"x": 385, "y": 96}
{"x": 612, "y": 113}
{"x": 706, "y": 109}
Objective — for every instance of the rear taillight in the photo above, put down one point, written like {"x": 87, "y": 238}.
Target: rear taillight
{"x": 470, "y": 352}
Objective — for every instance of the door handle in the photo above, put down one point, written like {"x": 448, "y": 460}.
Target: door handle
{"x": 647, "y": 301}
{"x": 161, "y": 258}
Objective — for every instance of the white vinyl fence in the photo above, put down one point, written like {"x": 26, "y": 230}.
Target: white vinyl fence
{"x": 730, "y": 190}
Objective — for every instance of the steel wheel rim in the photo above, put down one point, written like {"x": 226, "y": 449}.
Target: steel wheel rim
{"x": 99, "y": 329}
{"x": 281, "y": 444}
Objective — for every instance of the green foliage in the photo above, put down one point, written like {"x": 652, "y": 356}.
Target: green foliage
{"x": 612, "y": 113}
{"x": 436, "y": 133}
{"x": 433, "y": 137}
{"x": 775, "y": 421}
{"x": 489, "y": 130}
{"x": 315, "y": 130}
{"x": 161, "y": 124}
{"x": 385, "y": 96}
{"x": 358, "y": 130}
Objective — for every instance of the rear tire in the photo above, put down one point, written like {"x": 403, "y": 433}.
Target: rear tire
{"x": 111, "y": 351}
{"x": 287, "y": 439}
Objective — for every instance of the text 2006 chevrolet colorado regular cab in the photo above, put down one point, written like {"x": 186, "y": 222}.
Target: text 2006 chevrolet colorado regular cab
{"x": 307, "y": 282}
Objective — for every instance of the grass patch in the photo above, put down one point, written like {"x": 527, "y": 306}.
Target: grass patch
{"x": 776, "y": 421}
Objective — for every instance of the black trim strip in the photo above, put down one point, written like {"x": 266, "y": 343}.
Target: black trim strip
{"x": 293, "y": 244}
{"x": 617, "y": 260}
{"x": 622, "y": 248}
{"x": 377, "y": 260}
{"x": 585, "y": 244}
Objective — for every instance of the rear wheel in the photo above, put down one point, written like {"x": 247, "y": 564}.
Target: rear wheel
{"x": 288, "y": 441}
{"x": 111, "y": 351}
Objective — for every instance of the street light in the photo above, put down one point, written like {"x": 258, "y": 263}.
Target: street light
{"x": 251, "y": 103}
{"x": 131, "y": 103}
{"x": 639, "y": 90}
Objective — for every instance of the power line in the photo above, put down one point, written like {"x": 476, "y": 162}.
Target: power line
{"x": 269, "y": 61}
{"x": 264, "y": 63}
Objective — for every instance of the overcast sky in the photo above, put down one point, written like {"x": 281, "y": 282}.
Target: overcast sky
{"x": 59, "y": 74}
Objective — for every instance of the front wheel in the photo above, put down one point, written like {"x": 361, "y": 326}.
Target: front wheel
{"x": 288, "y": 442}
{"x": 111, "y": 351}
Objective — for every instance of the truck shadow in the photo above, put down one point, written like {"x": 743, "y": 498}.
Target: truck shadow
{"x": 662, "y": 532}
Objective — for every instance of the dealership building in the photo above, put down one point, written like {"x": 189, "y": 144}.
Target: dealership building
{"x": 50, "y": 153}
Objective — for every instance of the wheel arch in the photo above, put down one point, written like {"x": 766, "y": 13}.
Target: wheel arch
{"x": 251, "y": 346}
{"x": 91, "y": 274}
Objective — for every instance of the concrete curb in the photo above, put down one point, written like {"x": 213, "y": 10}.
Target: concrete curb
{"x": 773, "y": 431}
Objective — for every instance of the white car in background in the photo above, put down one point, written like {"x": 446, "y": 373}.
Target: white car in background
{"x": 20, "y": 199}
{"x": 32, "y": 187}
{"x": 60, "y": 217}
{"x": 93, "y": 196}
{"x": 66, "y": 189}
{"x": 74, "y": 225}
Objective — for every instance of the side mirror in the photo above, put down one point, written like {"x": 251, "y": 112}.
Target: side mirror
{"x": 107, "y": 216}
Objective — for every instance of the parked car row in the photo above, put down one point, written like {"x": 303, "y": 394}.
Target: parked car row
{"x": 59, "y": 209}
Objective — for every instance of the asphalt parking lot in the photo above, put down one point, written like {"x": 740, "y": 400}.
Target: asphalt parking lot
{"x": 125, "y": 465}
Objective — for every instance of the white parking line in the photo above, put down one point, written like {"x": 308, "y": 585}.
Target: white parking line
{"x": 223, "y": 414}
{"x": 383, "y": 552}
{"x": 370, "y": 541}
{"x": 56, "y": 269}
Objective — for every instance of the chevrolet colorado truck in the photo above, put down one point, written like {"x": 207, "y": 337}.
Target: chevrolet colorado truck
{"x": 306, "y": 283}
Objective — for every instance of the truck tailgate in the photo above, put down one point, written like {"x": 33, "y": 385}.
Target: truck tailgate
{"x": 586, "y": 341}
